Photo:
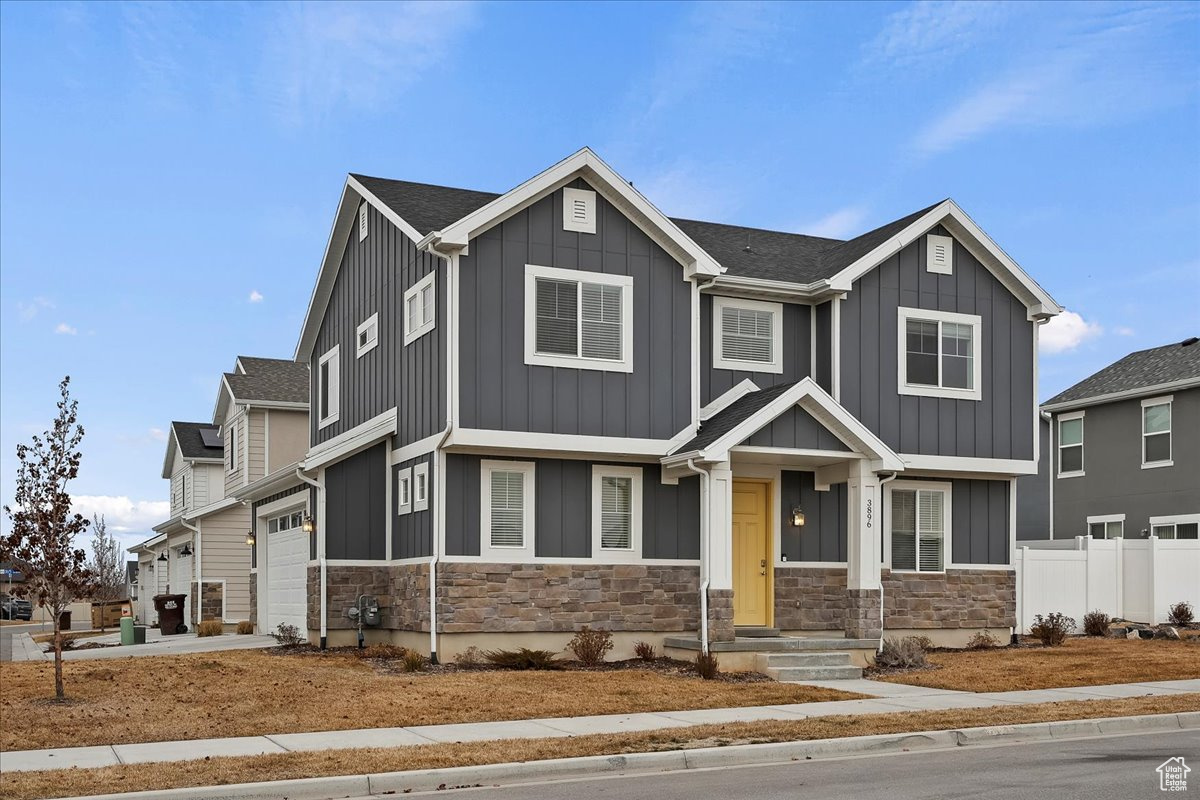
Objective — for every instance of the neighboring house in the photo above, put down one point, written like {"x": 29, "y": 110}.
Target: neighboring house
{"x": 259, "y": 423}
{"x": 557, "y": 407}
{"x": 1123, "y": 456}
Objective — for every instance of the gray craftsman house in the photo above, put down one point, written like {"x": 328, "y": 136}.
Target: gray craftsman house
{"x": 557, "y": 407}
{"x": 1123, "y": 455}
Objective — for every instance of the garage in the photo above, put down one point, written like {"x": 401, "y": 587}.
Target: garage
{"x": 181, "y": 581}
{"x": 287, "y": 572}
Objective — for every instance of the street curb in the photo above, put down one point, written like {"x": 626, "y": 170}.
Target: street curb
{"x": 702, "y": 758}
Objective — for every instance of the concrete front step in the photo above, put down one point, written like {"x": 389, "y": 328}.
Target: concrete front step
{"x": 755, "y": 632}
{"x": 776, "y": 644}
{"x": 818, "y": 659}
{"x": 845, "y": 673}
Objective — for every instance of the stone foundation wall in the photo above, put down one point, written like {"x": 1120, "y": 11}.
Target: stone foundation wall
{"x": 961, "y": 598}
{"x": 862, "y": 614}
{"x": 810, "y": 599}
{"x": 254, "y": 600}
{"x": 344, "y": 585}
{"x": 720, "y": 615}
{"x": 212, "y": 601}
{"x": 193, "y": 604}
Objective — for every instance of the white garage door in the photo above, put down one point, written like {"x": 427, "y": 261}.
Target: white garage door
{"x": 287, "y": 572}
{"x": 181, "y": 583}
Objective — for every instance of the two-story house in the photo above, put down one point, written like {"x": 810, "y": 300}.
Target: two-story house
{"x": 556, "y": 406}
{"x": 260, "y": 423}
{"x": 1123, "y": 456}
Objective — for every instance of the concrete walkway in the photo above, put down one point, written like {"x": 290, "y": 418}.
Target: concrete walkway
{"x": 25, "y": 649}
{"x": 888, "y": 697}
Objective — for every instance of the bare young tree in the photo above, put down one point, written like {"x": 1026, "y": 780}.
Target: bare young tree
{"x": 41, "y": 543}
{"x": 107, "y": 565}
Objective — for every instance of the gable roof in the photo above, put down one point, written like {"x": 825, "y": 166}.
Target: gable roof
{"x": 422, "y": 205}
{"x": 275, "y": 382}
{"x": 1140, "y": 373}
{"x": 186, "y": 440}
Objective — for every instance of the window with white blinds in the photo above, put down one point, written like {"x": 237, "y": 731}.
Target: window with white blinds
{"x": 918, "y": 529}
{"x": 616, "y": 513}
{"x": 506, "y": 508}
{"x": 581, "y": 320}
{"x": 747, "y": 335}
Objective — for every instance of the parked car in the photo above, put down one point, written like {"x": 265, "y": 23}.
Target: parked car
{"x": 15, "y": 608}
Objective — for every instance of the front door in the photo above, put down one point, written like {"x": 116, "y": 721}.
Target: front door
{"x": 751, "y": 554}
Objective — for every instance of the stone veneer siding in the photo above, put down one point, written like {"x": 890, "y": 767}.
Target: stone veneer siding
{"x": 862, "y": 614}
{"x": 720, "y": 615}
{"x": 254, "y": 600}
{"x": 211, "y": 601}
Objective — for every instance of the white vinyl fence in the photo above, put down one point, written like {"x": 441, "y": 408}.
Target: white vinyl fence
{"x": 1134, "y": 579}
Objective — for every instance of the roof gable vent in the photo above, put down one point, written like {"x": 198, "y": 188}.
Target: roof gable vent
{"x": 939, "y": 254}
{"x": 362, "y": 221}
{"x": 579, "y": 210}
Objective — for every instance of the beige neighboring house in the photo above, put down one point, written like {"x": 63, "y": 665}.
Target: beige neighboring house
{"x": 260, "y": 423}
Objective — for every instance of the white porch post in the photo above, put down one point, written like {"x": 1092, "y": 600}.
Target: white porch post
{"x": 863, "y": 583}
{"x": 720, "y": 553}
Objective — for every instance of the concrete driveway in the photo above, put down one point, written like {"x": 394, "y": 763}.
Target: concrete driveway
{"x": 18, "y": 647}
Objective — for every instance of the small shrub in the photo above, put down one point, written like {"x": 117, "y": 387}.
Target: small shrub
{"x": 245, "y": 626}
{"x": 707, "y": 666}
{"x": 1181, "y": 614}
{"x": 210, "y": 627}
{"x": 288, "y": 635}
{"x": 412, "y": 661}
{"x": 1095, "y": 623}
{"x": 924, "y": 642}
{"x": 983, "y": 640}
{"x": 1052, "y": 629}
{"x": 387, "y": 652}
{"x": 906, "y": 653}
{"x": 468, "y": 658}
{"x": 524, "y": 658}
{"x": 644, "y": 651}
{"x": 590, "y": 646}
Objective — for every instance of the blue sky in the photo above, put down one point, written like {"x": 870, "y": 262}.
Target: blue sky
{"x": 169, "y": 172}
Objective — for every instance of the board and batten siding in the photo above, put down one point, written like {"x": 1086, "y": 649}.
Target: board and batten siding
{"x": 499, "y": 391}
{"x": 226, "y": 557}
{"x": 412, "y": 533}
{"x": 823, "y": 368}
{"x": 356, "y": 506}
{"x": 563, "y": 513}
{"x": 795, "y": 428}
{"x": 797, "y": 353}
{"x": 823, "y": 535}
{"x": 372, "y": 278}
{"x": 1001, "y": 424}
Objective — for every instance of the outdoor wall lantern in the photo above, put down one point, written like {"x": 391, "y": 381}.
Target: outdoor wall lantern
{"x": 162, "y": 556}
{"x": 797, "y": 517}
{"x": 250, "y": 538}
{"x": 308, "y": 525}
{"x": 186, "y": 550}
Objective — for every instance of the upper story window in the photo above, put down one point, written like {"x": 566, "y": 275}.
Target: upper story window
{"x": 367, "y": 335}
{"x": 231, "y": 444}
{"x": 1070, "y": 445}
{"x": 581, "y": 320}
{"x": 420, "y": 308}
{"x": 421, "y": 486}
{"x": 404, "y": 491}
{"x": 747, "y": 335}
{"x": 506, "y": 509}
{"x": 920, "y": 519}
{"x": 616, "y": 513}
{"x": 939, "y": 354}
{"x": 1108, "y": 526}
{"x": 328, "y": 387}
{"x": 1156, "y": 433}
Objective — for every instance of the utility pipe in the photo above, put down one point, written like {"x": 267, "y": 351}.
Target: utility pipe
{"x": 705, "y": 529}
{"x": 887, "y": 479}
{"x": 320, "y": 487}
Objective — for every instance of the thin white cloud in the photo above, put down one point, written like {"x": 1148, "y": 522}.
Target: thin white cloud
{"x": 1066, "y": 332}
{"x": 1123, "y": 331}
{"x": 28, "y": 311}
{"x": 63, "y": 329}
{"x": 931, "y": 34}
{"x": 158, "y": 434}
{"x": 838, "y": 225}
{"x": 683, "y": 190}
{"x": 122, "y": 514}
{"x": 255, "y": 296}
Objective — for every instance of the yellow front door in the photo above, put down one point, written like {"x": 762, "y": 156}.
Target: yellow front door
{"x": 751, "y": 554}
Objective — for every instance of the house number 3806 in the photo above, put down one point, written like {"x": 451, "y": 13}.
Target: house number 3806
{"x": 870, "y": 510}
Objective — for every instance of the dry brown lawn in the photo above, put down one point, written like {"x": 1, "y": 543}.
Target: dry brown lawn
{"x": 1082, "y": 661}
{"x": 220, "y": 771}
{"x": 245, "y": 693}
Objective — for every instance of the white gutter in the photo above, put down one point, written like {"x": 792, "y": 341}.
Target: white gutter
{"x": 320, "y": 550}
{"x": 704, "y": 537}
{"x": 889, "y": 478}
{"x": 198, "y": 564}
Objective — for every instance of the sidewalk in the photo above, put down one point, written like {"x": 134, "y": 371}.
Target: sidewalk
{"x": 888, "y": 697}
{"x": 25, "y": 649}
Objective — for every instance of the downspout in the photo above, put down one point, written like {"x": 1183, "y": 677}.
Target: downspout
{"x": 433, "y": 561}
{"x": 888, "y": 479}
{"x": 320, "y": 552}
{"x": 704, "y": 537}
{"x": 196, "y": 570}
{"x": 451, "y": 353}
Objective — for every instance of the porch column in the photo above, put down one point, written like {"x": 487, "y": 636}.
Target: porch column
{"x": 863, "y": 585}
{"x": 719, "y": 556}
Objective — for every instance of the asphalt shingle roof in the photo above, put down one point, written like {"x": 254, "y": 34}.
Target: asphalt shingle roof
{"x": 745, "y": 252}
{"x": 190, "y": 443}
{"x": 730, "y": 417}
{"x": 1140, "y": 370}
{"x": 270, "y": 379}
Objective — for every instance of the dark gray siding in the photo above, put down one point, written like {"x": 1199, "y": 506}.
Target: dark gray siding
{"x": 998, "y": 426}
{"x": 356, "y": 506}
{"x": 499, "y": 391}
{"x": 795, "y": 428}
{"x": 797, "y": 353}
{"x": 823, "y": 536}
{"x": 1114, "y": 481}
{"x": 563, "y": 491}
{"x": 300, "y": 487}
{"x": 1033, "y": 493}
{"x": 979, "y": 522}
{"x": 412, "y": 533}
{"x": 373, "y": 276}
{"x": 824, "y": 366}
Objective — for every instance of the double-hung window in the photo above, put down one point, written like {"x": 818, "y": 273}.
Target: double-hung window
{"x": 506, "y": 509}
{"x": 581, "y": 320}
{"x": 747, "y": 335}
{"x": 232, "y": 444}
{"x": 616, "y": 513}
{"x": 1156, "y": 433}
{"x": 1107, "y": 526}
{"x": 919, "y": 528}
{"x": 328, "y": 381}
{"x": 420, "y": 308}
{"x": 1070, "y": 445}
{"x": 939, "y": 354}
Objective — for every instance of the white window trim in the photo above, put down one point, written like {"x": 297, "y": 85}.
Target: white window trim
{"x": 420, "y": 499}
{"x": 335, "y": 402}
{"x": 721, "y": 362}
{"x": 569, "y": 197}
{"x": 371, "y": 326}
{"x": 534, "y": 358}
{"x": 1105, "y": 519}
{"x": 947, "y": 529}
{"x": 505, "y": 554}
{"x": 608, "y": 555}
{"x": 919, "y": 390}
{"x": 1078, "y": 473}
{"x": 426, "y": 325}
{"x": 1174, "y": 520}
{"x": 404, "y": 494}
{"x": 1169, "y": 400}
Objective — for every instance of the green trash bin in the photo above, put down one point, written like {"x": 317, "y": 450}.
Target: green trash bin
{"x": 131, "y": 633}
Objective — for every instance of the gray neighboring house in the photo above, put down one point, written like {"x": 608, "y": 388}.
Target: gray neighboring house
{"x": 1123, "y": 454}
{"x": 556, "y": 406}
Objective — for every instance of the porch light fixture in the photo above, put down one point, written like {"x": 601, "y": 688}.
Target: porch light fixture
{"x": 250, "y": 538}
{"x": 162, "y": 556}
{"x": 186, "y": 550}
{"x": 308, "y": 525}
{"x": 797, "y": 517}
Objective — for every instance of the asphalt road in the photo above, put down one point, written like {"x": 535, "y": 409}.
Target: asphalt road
{"x": 1105, "y": 768}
